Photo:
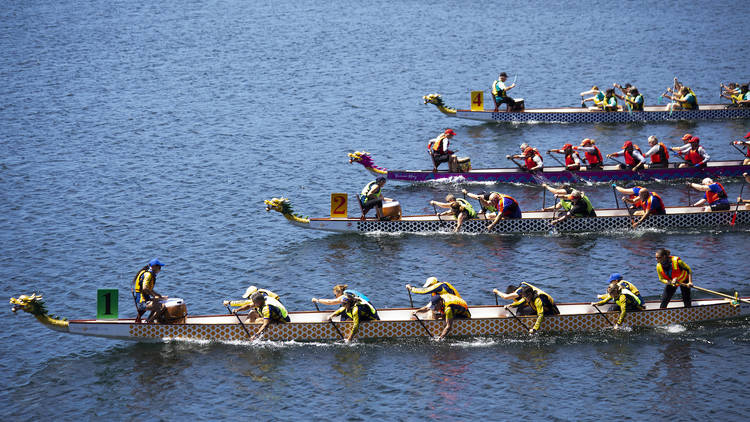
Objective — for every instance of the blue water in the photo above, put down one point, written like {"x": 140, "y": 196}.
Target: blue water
{"x": 132, "y": 130}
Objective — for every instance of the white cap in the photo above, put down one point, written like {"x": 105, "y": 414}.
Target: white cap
{"x": 430, "y": 281}
{"x": 708, "y": 181}
{"x": 523, "y": 146}
{"x": 250, "y": 290}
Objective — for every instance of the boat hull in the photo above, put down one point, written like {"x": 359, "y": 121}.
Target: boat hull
{"x": 538, "y": 222}
{"x": 714, "y": 170}
{"x": 397, "y": 323}
{"x": 581, "y": 115}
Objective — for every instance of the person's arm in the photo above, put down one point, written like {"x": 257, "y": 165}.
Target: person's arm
{"x": 338, "y": 311}
{"x": 505, "y": 296}
{"x": 539, "y": 317}
{"x": 262, "y": 328}
{"x": 422, "y": 309}
{"x": 355, "y": 324}
{"x": 616, "y": 154}
{"x": 515, "y": 304}
{"x": 662, "y": 279}
{"x": 686, "y": 267}
{"x": 440, "y": 204}
{"x": 424, "y": 290}
{"x": 622, "y": 303}
{"x": 237, "y": 303}
{"x": 336, "y": 301}
{"x": 539, "y": 163}
{"x": 704, "y": 154}
{"x": 469, "y": 194}
{"x": 448, "y": 326}
{"x": 645, "y": 215}
{"x": 605, "y": 298}
{"x": 496, "y": 220}
{"x": 653, "y": 150}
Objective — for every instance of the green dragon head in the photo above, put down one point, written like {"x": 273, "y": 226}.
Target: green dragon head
{"x": 283, "y": 206}
{"x": 437, "y": 100}
{"x": 35, "y": 306}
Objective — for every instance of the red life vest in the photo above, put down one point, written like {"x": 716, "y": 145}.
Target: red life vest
{"x": 529, "y": 160}
{"x": 629, "y": 159}
{"x": 677, "y": 272}
{"x": 569, "y": 161}
{"x": 593, "y": 157}
{"x": 662, "y": 155}
{"x": 712, "y": 197}
{"x": 693, "y": 156}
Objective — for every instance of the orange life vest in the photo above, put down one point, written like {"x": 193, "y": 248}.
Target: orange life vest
{"x": 677, "y": 272}
{"x": 693, "y": 156}
{"x": 629, "y": 159}
{"x": 662, "y": 155}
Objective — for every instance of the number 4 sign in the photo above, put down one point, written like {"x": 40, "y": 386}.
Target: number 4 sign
{"x": 477, "y": 100}
{"x": 339, "y": 203}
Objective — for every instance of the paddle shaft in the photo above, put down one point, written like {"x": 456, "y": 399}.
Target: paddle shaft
{"x": 614, "y": 192}
{"x": 316, "y": 306}
{"x": 720, "y": 294}
{"x": 603, "y": 316}
{"x": 738, "y": 150}
{"x": 734, "y": 217}
{"x": 572, "y": 173}
{"x": 423, "y": 326}
{"x": 439, "y": 219}
{"x": 337, "y": 329}
{"x": 241, "y": 324}
{"x": 411, "y": 303}
{"x": 517, "y": 319}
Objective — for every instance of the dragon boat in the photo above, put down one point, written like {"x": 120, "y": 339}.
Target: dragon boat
{"x": 393, "y": 323}
{"x": 609, "y": 173}
{"x": 586, "y": 115}
{"x": 531, "y": 222}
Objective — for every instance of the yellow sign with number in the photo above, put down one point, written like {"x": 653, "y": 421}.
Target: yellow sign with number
{"x": 477, "y": 100}
{"x": 339, "y": 203}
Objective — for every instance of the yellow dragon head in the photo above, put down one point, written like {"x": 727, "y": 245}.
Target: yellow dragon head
{"x": 437, "y": 100}
{"x": 35, "y": 306}
{"x": 283, "y": 206}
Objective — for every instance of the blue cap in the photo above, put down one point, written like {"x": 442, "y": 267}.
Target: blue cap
{"x": 434, "y": 300}
{"x": 155, "y": 262}
{"x": 614, "y": 276}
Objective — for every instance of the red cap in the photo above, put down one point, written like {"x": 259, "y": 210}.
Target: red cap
{"x": 686, "y": 136}
{"x": 586, "y": 141}
{"x": 694, "y": 140}
{"x": 450, "y": 132}
{"x": 747, "y": 136}
{"x": 566, "y": 146}
{"x": 528, "y": 150}
{"x": 627, "y": 144}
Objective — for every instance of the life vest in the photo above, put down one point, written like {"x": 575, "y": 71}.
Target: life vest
{"x": 662, "y": 155}
{"x": 713, "y": 197}
{"x": 276, "y": 311}
{"x": 496, "y": 91}
{"x": 593, "y": 157}
{"x": 589, "y": 208}
{"x": 436, "y": 289}
{"x": 609, "y": 103}
{"x": 677, "y": 272}
{"x": 638, "y": 102}
{"x": 599, "y": 98}
{"x": 694, "y": 156}
{"x": 540, "y": 293}
{"x": 467, "y": 206}
{"x": 629, "y": 159}
{"x": 529, "y": 159}
{"x": 436, "y": 145}
{"x": 569, "y": 160}
{"x": 366, "y": 190}
{"x": 631, "y": 297}
{"x": 140, "y": 278}
{"x": 358, "y": 294}
{"x": 365, "y": 311}
{"x": 691, "y": 101}
{"x": 449, "y": 299}
{"x": 500, "y": 204}
{"x": 624, "y": 284}
{"x": 655, "y": 206}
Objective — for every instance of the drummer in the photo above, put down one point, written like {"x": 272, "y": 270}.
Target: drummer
{"x": 460, "y": 208}
{"x": 270, "y": 309}
{"x": 372, "y": 197}
{"x": 146, "y": 298}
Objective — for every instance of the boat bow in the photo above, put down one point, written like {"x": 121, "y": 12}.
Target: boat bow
{"x": 35, "y": 306}
{"x": 365, "y": 158}
{"x": 437, "y": 100}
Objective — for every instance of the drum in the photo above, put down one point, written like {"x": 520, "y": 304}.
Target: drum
{"x": 518, "y": 106}
{"x": 392, "y": 209}
{"x": 175, "y": 311}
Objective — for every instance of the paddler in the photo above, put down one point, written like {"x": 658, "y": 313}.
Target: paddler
{"x": 632, "y": 153}
{"x": 580, "y": 207}
{"x": 563, "y": 192}
{"x": 624, "y": 299}
{"x": 610, "y": 101}
{"x": 684, "y": 99}
{"x": 730, "y": 92}
{"x": 617, "y": 279}
{"x": 513, "y": 293}
{"x": 572, "y": 159}
{"x": 243, "y": 305}
{"x": 597, "y": 98}
{"x": 438, "y": 148}
{"x": 542, "y": 303}
{"x": 460, "y": 208}
{"x": 650, "y": 203}
{"x": 500, "y": 90}
{"x": 631, "y": 192}
{"x": 673, "y": 272}
{"x": 339, "y": 291}
{"x": 449, "y": 307}
{"x": 714, "y": 195}
{"x": 372, "y": 197}
{"x": 483, "y": 197}
{"x": 506, "y": 208}
{"x": 432, "y": 286}
{"x": 591, "y": 154}
{"x": 744, "y": 96}
{"x": 532, "y": 159}
{"x": 358, "y": 310}
{"x": 146, "y": 298}
{"x": 696, "y": 155}
{"x": 659, "y": 154}
{"x": 270, "y": 309}
{"x": 746, "y": 144}
{"x": 632, "y": 98}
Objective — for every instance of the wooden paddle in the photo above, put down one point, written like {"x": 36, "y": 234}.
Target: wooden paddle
{"x": 411, "y": 303}
{"x": 720, "y": 294}
{"x": 614, "y": 192}
{"x": 439, "y": 219}
{"x": 337, "y": 329}
{"x": 517, "y": 319}
{"x": 734, "y": 217}
{"x": 603, "y": 316}
{"x": 422, "y": 324}
{"x": 735, "y": 147}
{"x": 249, "y": 336}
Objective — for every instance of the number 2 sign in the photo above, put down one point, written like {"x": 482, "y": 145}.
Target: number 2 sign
{"x": 339, "y": 203}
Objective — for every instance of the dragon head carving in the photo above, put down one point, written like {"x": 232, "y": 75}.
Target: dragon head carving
{"x": 437, "y": 100}
{"x": 364, "y": 158}
{"x": 35, "y": 306}
{"x": 283, "y": 206}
